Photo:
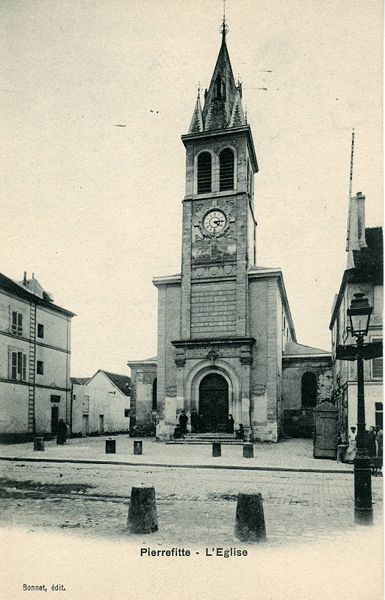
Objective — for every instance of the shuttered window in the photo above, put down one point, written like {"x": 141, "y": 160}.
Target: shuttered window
{"x": 18, "y": 366}
{"x": 377, "y": 368}
{"x": 377, "y": 364}
{"x": 17, "y": 323}
{"x": 204, "y": 172}
{"x": 226, "y": 170}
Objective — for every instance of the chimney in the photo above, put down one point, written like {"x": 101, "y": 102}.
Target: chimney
{"x": 25, "y": 278}
{"x": 356, "y": 227}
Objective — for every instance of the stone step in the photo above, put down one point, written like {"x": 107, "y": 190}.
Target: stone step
{"x": 206, "y": 442}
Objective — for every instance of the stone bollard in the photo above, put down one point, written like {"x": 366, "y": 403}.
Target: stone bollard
{"x": 39, "y": 444}
{"x": 248, "y": 450}
{"x": 138, "y": 447}
{"x": 249, "y": 519}
{"x": 110, "y": 446}
{"x": 216, "y": 449}
{"x": 142, "y": 517}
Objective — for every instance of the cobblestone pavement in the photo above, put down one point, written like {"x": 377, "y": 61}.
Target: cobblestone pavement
{"x": 195, "y": 506}
{"x": 289, "y": 453}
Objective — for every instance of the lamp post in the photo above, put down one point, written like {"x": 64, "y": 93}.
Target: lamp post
{"x": 359, "y": 314}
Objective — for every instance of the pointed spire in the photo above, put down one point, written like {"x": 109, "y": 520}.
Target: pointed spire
{"x": 223, "y": 99}
{"x": 196, "y": 124}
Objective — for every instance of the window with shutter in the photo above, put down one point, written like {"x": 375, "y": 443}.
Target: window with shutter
{"x": 204, "y": 172}
{"x": 18, "y": 365}
{"x": 377, "y": 364}
{"x": 14, "y": 365}
{"x": 17, "y": 323}
{"x": 226, "y": 170}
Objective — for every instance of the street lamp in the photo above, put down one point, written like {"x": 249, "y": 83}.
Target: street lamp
{"x": 359, "y": 314}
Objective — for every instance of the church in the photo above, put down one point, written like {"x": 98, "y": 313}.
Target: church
{"x": 226, "y": 338}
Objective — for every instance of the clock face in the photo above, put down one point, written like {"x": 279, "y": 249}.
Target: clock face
{"x": 215, "y": 221}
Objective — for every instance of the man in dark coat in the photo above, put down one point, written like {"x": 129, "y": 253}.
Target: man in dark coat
{"x": 230, "y": 424}
{"x": 61, "y": 432}
{"x": 201, "y": 424}
{"x": 183, "y": 418}
{"x": 194, "y": 421}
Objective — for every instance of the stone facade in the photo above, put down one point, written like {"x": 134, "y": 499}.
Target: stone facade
{"x": 223, "y": 323}
{"x": 303, "y": 365}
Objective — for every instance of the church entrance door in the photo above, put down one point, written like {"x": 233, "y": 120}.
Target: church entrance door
{"x": 214, "y": 402}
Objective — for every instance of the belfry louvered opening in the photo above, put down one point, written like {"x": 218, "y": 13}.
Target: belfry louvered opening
{"x": 204, "y": 172}
{"x": 226, "y": 170}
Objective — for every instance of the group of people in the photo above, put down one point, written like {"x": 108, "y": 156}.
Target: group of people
{"x": 374, "y": 444}
{"x": 198, "y": 425}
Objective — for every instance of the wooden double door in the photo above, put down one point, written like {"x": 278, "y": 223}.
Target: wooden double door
{"x": 214, "y": 403}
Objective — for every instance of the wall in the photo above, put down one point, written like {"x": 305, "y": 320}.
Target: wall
{"x": 106, "y": 399}
{"x": 142, "y": 416}
{"x": 297, "y": 420}
{"x": 52, "y": 349}
{"x": 265, "y": 327}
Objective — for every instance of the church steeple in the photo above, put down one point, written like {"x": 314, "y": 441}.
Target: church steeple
{"x": 223, "y": 106}
{"x": 197, "y": 119}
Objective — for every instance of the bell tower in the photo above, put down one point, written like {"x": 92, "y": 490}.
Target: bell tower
{"x": 219, "y": 353}
{"x": 223, "y": 322}
{"x": 218, "y": 244}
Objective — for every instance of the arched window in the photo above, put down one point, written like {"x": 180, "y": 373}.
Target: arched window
{"x": 226, "y": 170}
{"x": 204, "y": 172}
{"x": 309, "y": 390}
{"x": 154, "y": 395}
{"x": 220, "y": 92}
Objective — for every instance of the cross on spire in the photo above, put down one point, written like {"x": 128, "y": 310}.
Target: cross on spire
{"x": 224, "y": 28}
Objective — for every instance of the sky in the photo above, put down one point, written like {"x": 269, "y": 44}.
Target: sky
{"x": 94, "y": 210}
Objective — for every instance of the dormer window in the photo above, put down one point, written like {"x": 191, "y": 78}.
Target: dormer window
{"x": 204, "y": 172}
{"x": 226, "y": 170}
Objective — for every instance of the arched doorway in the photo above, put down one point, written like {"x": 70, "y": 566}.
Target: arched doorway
{"x": 214, "y": 402}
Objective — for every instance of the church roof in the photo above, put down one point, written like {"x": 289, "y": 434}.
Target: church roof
{"x": 295, "y": 349}
{"x": 222, "y": 103}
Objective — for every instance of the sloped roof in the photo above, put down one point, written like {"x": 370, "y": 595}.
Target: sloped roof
{"x": 123, "y": 382}
{"x": 21, "y": 291}
{"x": 368, "y": 267}
{"x": 80, "y": 380}
{"x": 294, "y": 349}
{"x": 369, "y": 261}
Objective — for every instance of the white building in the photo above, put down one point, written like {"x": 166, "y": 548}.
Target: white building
{"x": 100, "y": 404}
{"x": 364, "y": 273}
{"x": 35, "y": 347}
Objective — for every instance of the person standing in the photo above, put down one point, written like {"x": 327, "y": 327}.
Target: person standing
{"x": 230, "y": 424}
{"x": 183, "y": 418}
{"x": 61, "y": 432}
{"x": 380, "y": 451}
{"x": 201, "y": 424}
{"x": 371, "y": 442}
{"x": 194, "y": 421}
{"x": 371, "y": 447}
{"x": 352, "y": 449}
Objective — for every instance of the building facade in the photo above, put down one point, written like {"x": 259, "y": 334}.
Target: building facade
{"x": 101, "y": 404}
{"x": 35, "y": 348}
{"x": 223, "y": 322}
{"x": 364, "y": 273}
